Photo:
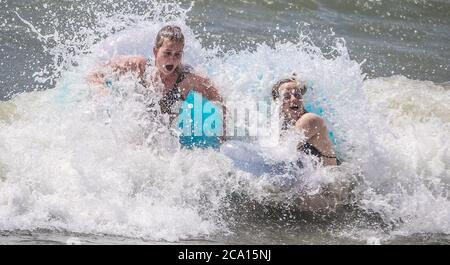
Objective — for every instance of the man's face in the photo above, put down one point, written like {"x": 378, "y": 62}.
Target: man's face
{"x": 292, "y": 100}
{"x": 168, "y": 56}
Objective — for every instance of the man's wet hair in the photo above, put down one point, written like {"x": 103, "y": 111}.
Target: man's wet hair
{"x": 169, "y": 32}
{"x": 279, "y": 83}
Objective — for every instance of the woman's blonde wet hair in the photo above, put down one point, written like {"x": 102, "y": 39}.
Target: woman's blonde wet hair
{"x": 279, "y": 83}
{"x": 169, "y": 32}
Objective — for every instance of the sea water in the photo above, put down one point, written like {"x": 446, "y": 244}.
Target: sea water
{"x": 78, "y": 167}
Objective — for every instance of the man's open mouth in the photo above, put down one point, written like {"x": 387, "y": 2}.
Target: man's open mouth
{"x": 294, "y": 107}
{"x": 169, "y": 67}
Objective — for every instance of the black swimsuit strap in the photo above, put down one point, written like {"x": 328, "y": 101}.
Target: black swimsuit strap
{"x": 183, "y": 71}
{"x": 312, "y": 150}
{"x": 307, "y": 147}
{"x": 174, "y": 94}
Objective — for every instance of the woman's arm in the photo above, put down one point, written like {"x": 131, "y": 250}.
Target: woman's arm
{"x": 119, "y": 65}
{"x": 205, "y": 87}
{"x": 316, "y": 134}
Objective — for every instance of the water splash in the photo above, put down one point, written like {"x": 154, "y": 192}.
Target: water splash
{"x": 93, "y": 164}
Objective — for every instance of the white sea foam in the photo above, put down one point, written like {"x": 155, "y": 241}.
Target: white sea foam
{"x": 75, "y": 161}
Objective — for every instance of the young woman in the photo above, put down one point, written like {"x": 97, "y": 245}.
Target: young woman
{"x": 290, "y": 92}
{"x": 175, "y": 79}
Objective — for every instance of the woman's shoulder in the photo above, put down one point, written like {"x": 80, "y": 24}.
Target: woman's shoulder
{"x": 310, "y": 118}
{"x": 185, "y": 69}
{"x": 130, "y": 59}
{"x": 190, "y": 74}
{"x": 128, "y": 62}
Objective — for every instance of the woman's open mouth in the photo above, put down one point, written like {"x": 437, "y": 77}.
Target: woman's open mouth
{"x": 169, "y": 67}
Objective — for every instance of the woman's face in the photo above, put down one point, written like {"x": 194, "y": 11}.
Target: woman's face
{"x": 292, "y": 100}
{"x": 168, "y": 56}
